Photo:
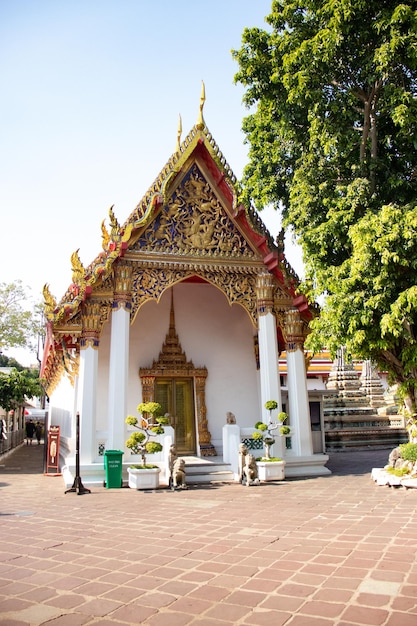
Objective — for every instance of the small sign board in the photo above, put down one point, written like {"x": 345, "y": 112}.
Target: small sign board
{"x": 52, "y": 455}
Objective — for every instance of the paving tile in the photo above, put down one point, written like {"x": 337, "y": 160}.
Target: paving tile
{"x": 230, "y": 613}
{"x": 365, "y": 615}
{"x": 374, "y": 586}
{"x": 401, "y": 619}
{"x": 178, "y": 588}
{"x": 65, "y": 601}
{"x": 257, "y": 584}
{"x": 402, "y": 603}
{"x": 326, "y": 610}
{"x": 334, "y": 595}
{"x": 193, "y": 606}
{"x": 282, "y": 603}
{"x": 266, "y": 618}
{"x": 170, "y": 619}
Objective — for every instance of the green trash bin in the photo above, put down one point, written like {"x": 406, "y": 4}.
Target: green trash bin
{"x": 113, "y": 467}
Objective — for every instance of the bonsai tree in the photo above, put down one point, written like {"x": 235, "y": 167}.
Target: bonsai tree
{"x": 148, "y": 425}
{"x": 265, "y": 431}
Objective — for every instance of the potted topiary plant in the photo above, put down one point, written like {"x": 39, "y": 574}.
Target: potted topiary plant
{"x": 145, "y": 476}
{"x": 269, "y": 467}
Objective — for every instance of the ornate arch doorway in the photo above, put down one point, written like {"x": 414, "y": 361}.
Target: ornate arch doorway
{"x": 180, "y": 388}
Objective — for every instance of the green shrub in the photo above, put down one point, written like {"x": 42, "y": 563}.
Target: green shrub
{"x": 398, "y": 471}
{"x": 409, "y": 451}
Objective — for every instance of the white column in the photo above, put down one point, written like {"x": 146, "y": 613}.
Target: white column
{"x": 118, "y": 376}
{"x": 268, "y": 352}
{"x": 268, "y": 362}
{"x": 86, "y": 401}
{"x": 298, "y": 406}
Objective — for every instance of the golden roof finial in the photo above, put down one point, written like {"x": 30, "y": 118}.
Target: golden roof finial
{"x": 179, "y": 132}
{"x": 201, "y": 123}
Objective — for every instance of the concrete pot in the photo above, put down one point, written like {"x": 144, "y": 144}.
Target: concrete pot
{"x": 271, "y": 470}
{"x": 143, "y": 478}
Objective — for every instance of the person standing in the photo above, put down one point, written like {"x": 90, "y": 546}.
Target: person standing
{"x": 38, "y": 431}
{"x": 30, "y": 431}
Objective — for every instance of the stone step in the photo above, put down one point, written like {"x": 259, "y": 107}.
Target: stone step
{"x": 207, "y": 471}
{"x": 364, "y": 437}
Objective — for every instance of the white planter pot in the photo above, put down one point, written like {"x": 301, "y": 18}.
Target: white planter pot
{"x": 143, "y": 478}
{"x": 271, "y": 470}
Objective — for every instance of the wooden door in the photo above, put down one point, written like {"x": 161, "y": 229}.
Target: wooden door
{"x": 176, "y": 396}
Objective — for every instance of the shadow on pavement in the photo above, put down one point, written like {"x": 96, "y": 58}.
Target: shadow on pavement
{"x": 357, "y": 462}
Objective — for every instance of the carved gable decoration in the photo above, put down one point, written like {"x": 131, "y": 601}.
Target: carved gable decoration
{"x": 194, "y": 223}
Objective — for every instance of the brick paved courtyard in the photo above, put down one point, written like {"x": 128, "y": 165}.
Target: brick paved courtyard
{"x": 334, "y": 550}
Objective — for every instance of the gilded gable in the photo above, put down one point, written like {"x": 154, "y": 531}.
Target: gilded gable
{"x": 194, "y": 223}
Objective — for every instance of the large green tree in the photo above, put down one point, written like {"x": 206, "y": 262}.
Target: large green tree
{"x": 20, "y": 322}
{"x": 332, "y": 135}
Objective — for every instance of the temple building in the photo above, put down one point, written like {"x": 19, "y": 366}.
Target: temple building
{"x": 189, "y": 303}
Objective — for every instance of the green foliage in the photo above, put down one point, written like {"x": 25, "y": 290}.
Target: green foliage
{"x": 6, "y": 361}
{"x": 282, "y": 416}
{"x": 285, "y": 430}
{"x": 271, "y": 405}
{"x": 398, "y": 471}
{"x": 162, "y": 420}
{"x": 332, "y": 140}
{"x": 16, "y": 387}
{"x": 149, "y": 407}
{"x": 135, "y": 441}
{"x": 157, "y": 430}
{"x": 19, "y": 324}
{"x": 152, "y": 447}
{"x": 272, "y": 459}
{"x": 409, "y": 451}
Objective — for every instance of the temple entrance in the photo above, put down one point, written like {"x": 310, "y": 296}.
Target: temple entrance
{"x": 180, "y": 388}
{"x": 176, "y": 396}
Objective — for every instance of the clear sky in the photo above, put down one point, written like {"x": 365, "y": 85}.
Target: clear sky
{"x": 92, "y": 93}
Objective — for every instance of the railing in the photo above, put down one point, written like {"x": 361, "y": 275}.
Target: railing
{"x": 14, "y": 439}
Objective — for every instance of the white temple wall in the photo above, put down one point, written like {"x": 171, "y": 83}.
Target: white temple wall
{"x": 61, "y": 408}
